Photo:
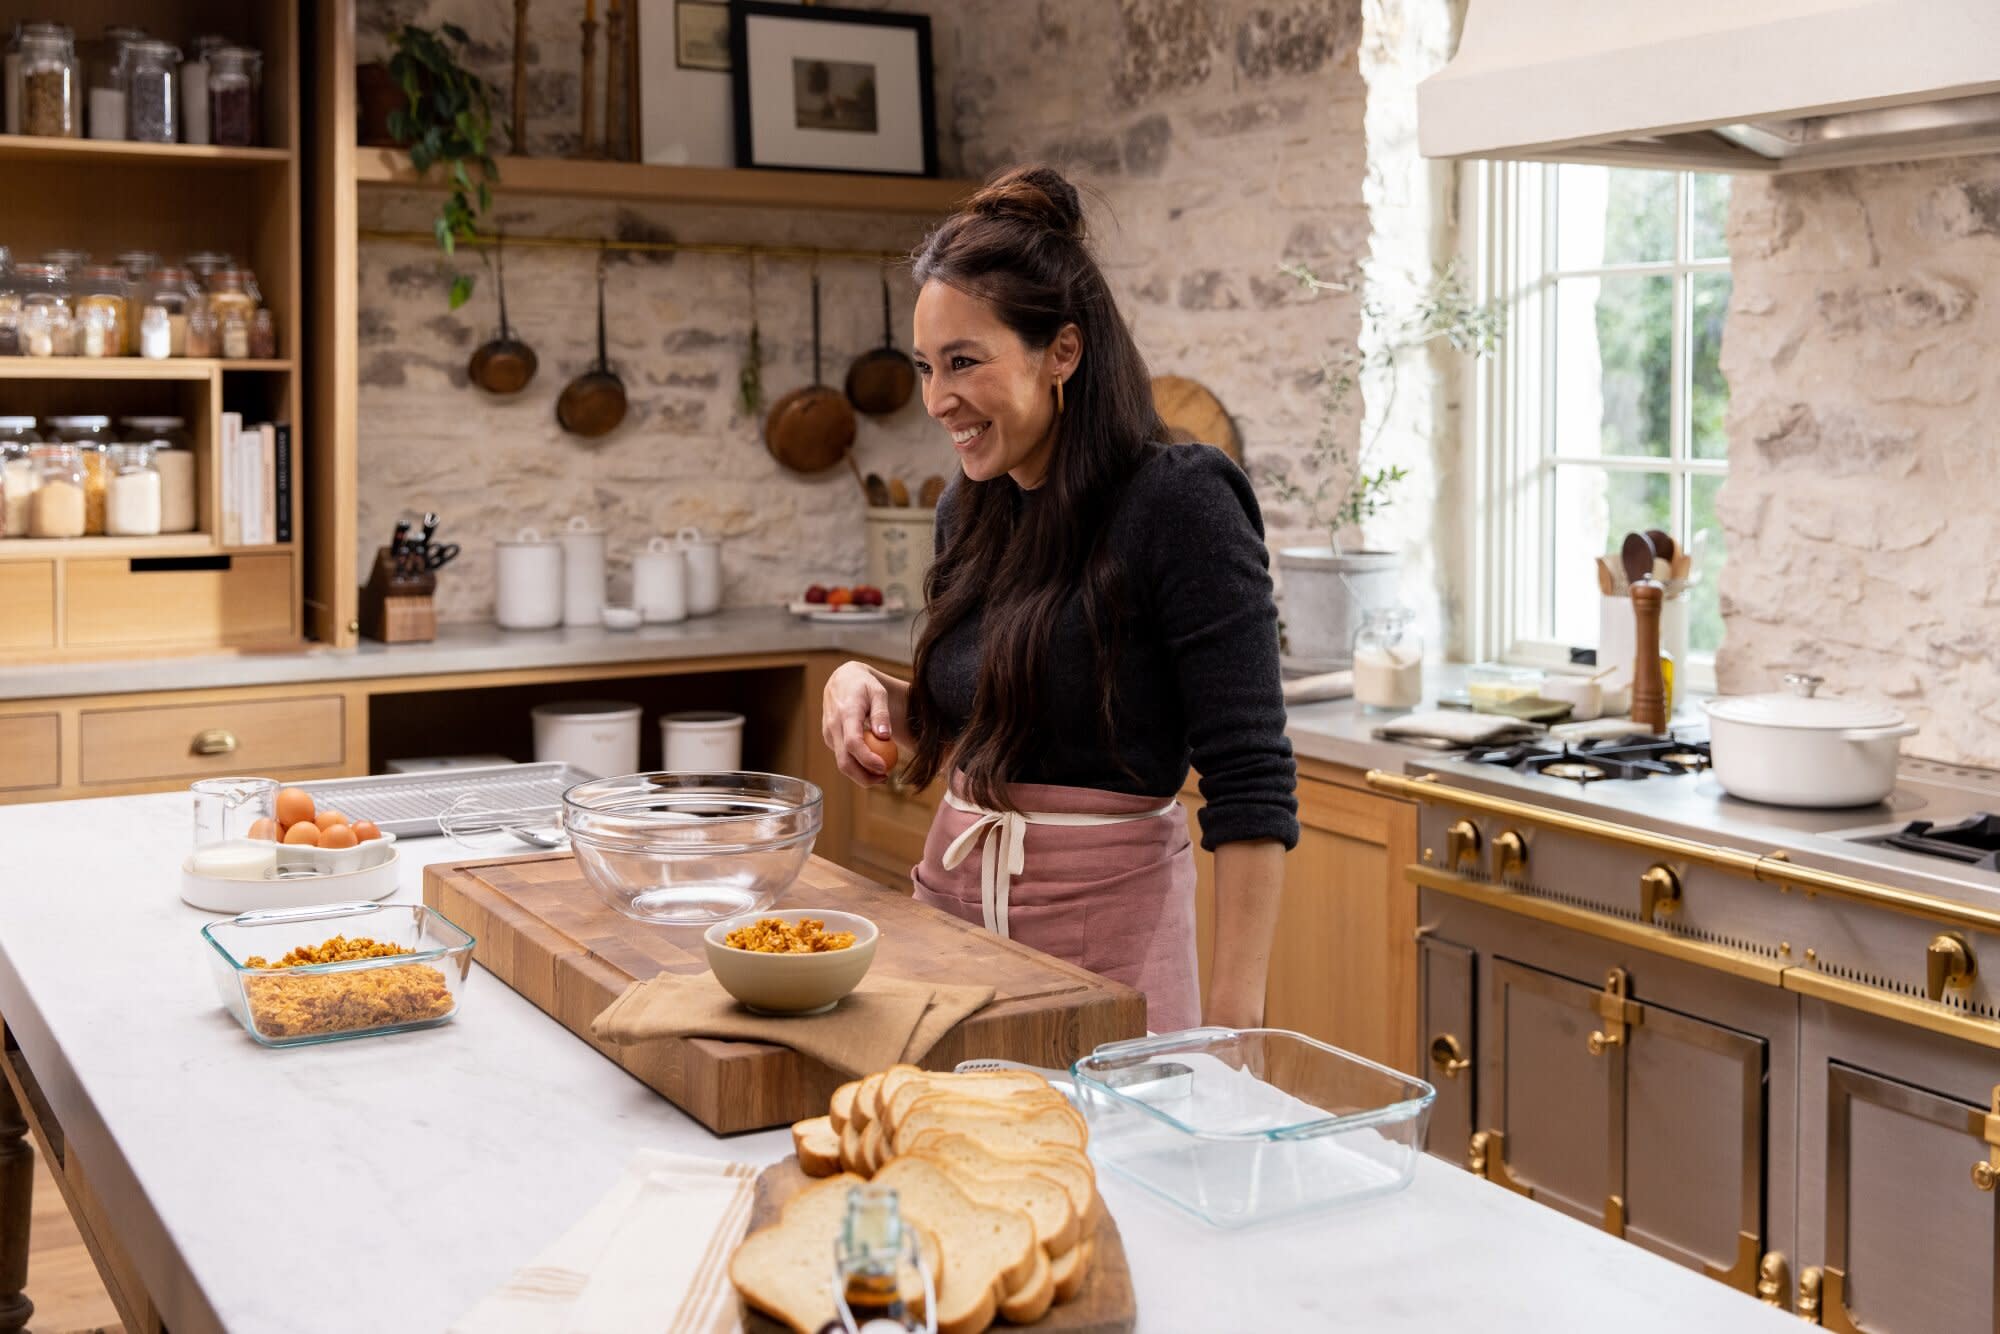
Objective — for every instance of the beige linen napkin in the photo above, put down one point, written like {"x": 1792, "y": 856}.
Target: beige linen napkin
{"x": 652, "y": 1256}
{"x": 880, "y": 1023}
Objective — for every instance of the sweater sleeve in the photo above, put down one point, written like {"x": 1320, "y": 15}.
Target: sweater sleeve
{"x": 1213, "y": 598}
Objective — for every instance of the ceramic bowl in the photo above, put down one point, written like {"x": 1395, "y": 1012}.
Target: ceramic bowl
{"x": 792, "y": 983}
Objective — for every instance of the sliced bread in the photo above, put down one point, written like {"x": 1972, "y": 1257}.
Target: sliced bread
{"x": 973, "y": 1159}
{"x": 817, "y": 1145}
{"x": 850, "y": 1149}
{"x": 1016, "y": 1126}
{"x": 864, "y": 1101}
{"x": 1041, "y": 1198}
{"x": 782, "y": 1270}
{"x": 1031, "y": 1301}
{"x": 905, "y": 1084}
{"x": 874, "y": 1148}
{"x": 841, "y": 1107}
{"x": 1071, "y": 1269}
{"x": 988, "y": 1250}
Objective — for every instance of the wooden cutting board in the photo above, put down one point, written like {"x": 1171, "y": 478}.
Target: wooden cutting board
{"x": 543, "y": 931}
{"x": 1105, "y": 1305}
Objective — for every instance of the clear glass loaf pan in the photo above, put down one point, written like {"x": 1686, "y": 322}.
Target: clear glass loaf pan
{"x": 1243, "y": 1127}
{"x": 286, "y": 1007}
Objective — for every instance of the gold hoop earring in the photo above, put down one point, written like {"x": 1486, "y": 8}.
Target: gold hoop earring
{"x": 1059, "y": 396}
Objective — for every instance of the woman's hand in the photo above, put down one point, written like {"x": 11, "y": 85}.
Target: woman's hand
{"x": 860, "y": 703}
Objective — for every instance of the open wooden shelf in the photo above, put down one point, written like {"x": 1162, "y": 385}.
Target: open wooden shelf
{"x": 747, "y": 187}
{"x": 134, "y": 548}
{"x": 127, "y": 368}
{"x": 125, "y": 152}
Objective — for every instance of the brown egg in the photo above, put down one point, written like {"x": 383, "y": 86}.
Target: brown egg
{"x": 338, "y": 836}
{"x": 882, "y": 746}
{"x": 295, "y": 804}
{"x": 305, "y": 831}
{"x": 365, "y": 830}
{"x": 327, "y": 819}
{"x": 265, "y": 828}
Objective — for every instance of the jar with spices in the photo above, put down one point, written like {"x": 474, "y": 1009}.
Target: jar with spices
{"x": 232, "y": 292}
{"x": 13, "y": 119}
{"x": 107, "y": 103}
{"x": 235, "y": 336}
{"x": 56, "y": 508}
{"x": 171, "y": 290}
{"x": 194, "y": 87}
{"x": 91, "y": 435}
{"x": 201, "y": 340}
{"x": 133, "y": 495}
{"x": 204, "y": 265}
{"x": 152, "y": 90}
{"x": 156, "y": 335}
{"x": 45, "y": 310}
{"x": 233, "y": 72}
{"x": 48, "y": 84}
{"x": 104, "y": 312}
{"x": 18, "y": 438}
{"x": 173, "y": 459}
{"x": 263, "y": 336}
{"x": 138, "y": 265}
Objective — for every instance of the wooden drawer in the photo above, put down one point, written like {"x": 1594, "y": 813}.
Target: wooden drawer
{"x": 270, "y": 736}
{"x": 226, "y": 600}
{"x": 890, "y": 824}
{"x": 30, "y": 751}
{"x": 27, "y": 604}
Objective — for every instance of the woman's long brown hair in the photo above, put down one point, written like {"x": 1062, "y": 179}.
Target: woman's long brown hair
{"x": 1019, "y": 244}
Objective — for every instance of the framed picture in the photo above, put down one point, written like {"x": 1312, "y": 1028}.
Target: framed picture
{"x": 821, "y": 89}
{"x": 701, "y": 34}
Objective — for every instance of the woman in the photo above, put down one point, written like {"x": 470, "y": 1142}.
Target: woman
{"x": 1099, "y": 611}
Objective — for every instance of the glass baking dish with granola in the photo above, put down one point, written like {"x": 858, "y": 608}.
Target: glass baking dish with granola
{"x": 343, "y": 970}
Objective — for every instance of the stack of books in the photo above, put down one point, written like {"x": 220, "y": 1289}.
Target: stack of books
{"x": 256, "y": 463}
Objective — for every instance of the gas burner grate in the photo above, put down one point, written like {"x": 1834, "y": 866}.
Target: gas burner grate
{"x": 1974, "y": 841}
{"x": 1620, "y": 758}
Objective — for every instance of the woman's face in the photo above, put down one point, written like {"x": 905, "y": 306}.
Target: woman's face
{"x": 993, "y": 393}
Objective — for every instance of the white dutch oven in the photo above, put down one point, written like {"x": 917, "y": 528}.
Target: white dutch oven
{"x": 1793, "y": 748}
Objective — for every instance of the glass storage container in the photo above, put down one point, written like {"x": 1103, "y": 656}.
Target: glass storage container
{"x": 173, "y": 459}
{"x": 201, "y": 335}
{"x": 22, "y": 31}
{"x": 103, "y": 303}
{"x": 10, "y": 306}
{"x": 132, "y": 493}
{"x": 1388, "y": 660}
{"x": 172, "y": 291}
{"x": 1242, "y": 1127}
{"x": 106, "y": 108}
{"x": 194, "y": 87}
{"x": 17, "y": 473}
{"x": 231, "y": 291}
{"x": 92, "y": 437}
{"x": 56, "y": 508}
{"x": 138, "y": 265}
{"x": 324, "y": 1002}
{"x": 263, "y": 336}
{"x": 234, "y": 335}
{"x": 152, "y": 92}
{"x": 44, "y": 328}
{"x": 203, "y": 265}
{"x": 49, "y": 78}
{"x": 233, "y": 75}
{"x": 1492, "y": 684}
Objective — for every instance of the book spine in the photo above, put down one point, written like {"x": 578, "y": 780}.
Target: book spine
{"x": 228, "y": 460}
{"x": 283, "y": 486}
{"x": 267, "y": 483}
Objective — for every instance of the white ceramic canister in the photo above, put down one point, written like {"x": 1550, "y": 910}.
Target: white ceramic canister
{"x": 598, "y": 736}
{"x": 704, "y": 571}
{"x": 899, "y": 552}
{"x": 660, "y": 582}
{"x": 701, "y": 740}
{"x": 583, "y": 573}
{"x": 528, "y": 582}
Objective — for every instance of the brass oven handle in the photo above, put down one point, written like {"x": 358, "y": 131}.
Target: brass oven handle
{"x": 1447, "y": 1056}
{"x": 1461, "y": 844}
{"x": 1510, "y": 855}
{"x": 1948, "y": 963}
{"x": 1659, "y": 894}
{"x": 215, "y": 741}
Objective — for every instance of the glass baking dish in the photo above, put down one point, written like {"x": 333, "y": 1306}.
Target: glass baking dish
{"x": 1242, "y": 1127}
{"x": 324, "y": 1002}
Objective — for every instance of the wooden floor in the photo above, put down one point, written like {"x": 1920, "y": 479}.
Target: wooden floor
{"x": 62, "y": 1281}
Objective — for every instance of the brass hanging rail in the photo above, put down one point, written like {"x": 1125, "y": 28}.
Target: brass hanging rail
{"x": 651, "y": 247}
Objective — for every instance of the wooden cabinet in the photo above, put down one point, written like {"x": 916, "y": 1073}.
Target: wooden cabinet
{"x": 30, "y": 753}
{"x": 196, "y": 740}
{"x": 1343, "y": 964}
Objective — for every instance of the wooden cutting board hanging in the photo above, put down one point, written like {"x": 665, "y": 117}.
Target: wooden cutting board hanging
{"x": 1194, "y": 414}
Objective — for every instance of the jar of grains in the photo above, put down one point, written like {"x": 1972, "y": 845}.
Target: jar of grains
{"x": 91, "y": 434}
{"x": 132, "y": 498}
{"x": 152, "y": 91}
{"x": 173, "y": 460}
{"x": 10, "y": 306}
{"x": 48, "y": 83}
{"x": 17, "y": 473}
{"x": 22, "y": 31}
{"x": 194, "y": 87}
{"x": 45, "y": 310}
{"x": 232, "y": 292}
{"x": 232, "y": 96}
{"x": 103, "y": 312}
{"x": 56, "y": 508}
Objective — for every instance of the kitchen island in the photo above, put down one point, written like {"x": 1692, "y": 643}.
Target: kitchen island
{"x": 389, "y": 1183}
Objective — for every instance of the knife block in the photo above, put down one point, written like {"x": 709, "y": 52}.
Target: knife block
{"x": 396, "y": 609}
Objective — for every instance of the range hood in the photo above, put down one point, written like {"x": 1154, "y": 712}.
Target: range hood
{"x": 1718, "y": 85}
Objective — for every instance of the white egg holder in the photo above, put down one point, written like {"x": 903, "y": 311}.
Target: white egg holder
{"x": 300, "y": 876}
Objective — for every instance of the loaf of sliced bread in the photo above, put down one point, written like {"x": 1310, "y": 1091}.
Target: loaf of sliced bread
{"x": 970, "y": 1157}
{"x": 841, "y": 1107}
{"x": 818, "y": 1146}
{"x": 1031, "y": 1301}
{"x": 784, "y": 1269}
{"x": 1011, "y": 1126}
{"x": 989, "y": 1250}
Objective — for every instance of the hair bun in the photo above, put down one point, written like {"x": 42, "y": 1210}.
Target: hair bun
{"x": 1037, "y": 195}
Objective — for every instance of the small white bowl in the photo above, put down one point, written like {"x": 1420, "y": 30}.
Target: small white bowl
{"x": 621, "y": 618}
{"x": 792, "y": 984}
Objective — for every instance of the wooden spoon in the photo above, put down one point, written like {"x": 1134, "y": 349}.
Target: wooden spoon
{"x": 1637, "y": 557}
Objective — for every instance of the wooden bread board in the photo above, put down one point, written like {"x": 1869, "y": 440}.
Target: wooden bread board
{"x": 1105, "y": 1305}
{"x": 543, "y": 931}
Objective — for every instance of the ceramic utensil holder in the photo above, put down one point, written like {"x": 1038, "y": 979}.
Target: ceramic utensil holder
{"x": 396, "y": 609}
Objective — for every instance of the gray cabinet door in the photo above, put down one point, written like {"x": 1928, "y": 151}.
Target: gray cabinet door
{"x": 1910, "y": 1240}
{"x": 1447, "y": 1042}
{"x": 1694, "y": 1144}
{"x": 1561, "y": 1128}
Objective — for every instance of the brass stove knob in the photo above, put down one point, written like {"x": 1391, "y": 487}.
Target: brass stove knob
{"x": 1461, "y": 845}
{"x": 1948, "y": 963}
{"x": 1659, "y": 894}
{"x": 1510, "y": 855}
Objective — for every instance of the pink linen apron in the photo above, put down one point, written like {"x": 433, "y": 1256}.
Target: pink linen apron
{"x": 1103, "y": 880}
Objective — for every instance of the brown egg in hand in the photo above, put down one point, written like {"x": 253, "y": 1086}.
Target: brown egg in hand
{"x": 295, "y": 804}
{"x": 305, "y": 832}
{"x": 884, "y": 747}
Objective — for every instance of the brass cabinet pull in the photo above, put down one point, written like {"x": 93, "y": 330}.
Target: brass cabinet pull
{"x": 1948, "y": 963}
{"x": 1984, "y": 1174}
{"x": 215, "y": 741}
{"x": 1461, "y": 845}
{"x": 1771, "y": 1275}
{"x": 1616, "y": 1009}
{"x": 1987, "y": 1171}
{"x": 1447, "y": 1056}
{"x": 1510, "y": 855}
{"x": 1811, "y": 1279}
{"x": 1486, "y": 1156}
{"x": 1659, "y": 894}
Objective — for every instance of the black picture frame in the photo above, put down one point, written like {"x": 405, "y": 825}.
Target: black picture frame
{"x": 741, "y": 75}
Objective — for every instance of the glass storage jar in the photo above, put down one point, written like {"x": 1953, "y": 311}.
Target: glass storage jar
{"x": 71, "y": 262}
{"x": 12, "y": 121}
{"x": 45, "y": 310}
{"x": 133, "y": 493}
{"x": 201, "y": 338}
{"x": 194, "y": 87}
{"x": 233, "y": 74}
{"x": 138, "y": 264}
{"x": 91, "y": 434}
{"x": 1388, "y": 661}
{"x": 103, "y": 316}
{"x": 49, "y": 82}
{"x": 106, "y": 104}
{"x": 232, "y": 292}
{"x": 203, "y": 265}
{"x": 10, "y": 306}
{"x": 18, "y": 437}
{"x": 173, "y": 459}
{"x": 152, "y": 92}
{"x": 171, "y": 290}
{"x": 263, "y": 336}
{"x": 57, "y": 506}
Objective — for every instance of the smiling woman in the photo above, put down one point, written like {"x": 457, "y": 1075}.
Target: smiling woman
{"x": 1099, "y": 614}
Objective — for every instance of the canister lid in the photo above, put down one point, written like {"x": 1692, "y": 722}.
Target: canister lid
{"x": 1798, "y": 705}
{"x": 601, "y": 709}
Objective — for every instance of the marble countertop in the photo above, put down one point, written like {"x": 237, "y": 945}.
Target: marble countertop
{"x": 388, "y": 1183}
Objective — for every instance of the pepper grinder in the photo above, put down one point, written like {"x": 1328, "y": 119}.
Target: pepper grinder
{"x": 1649, "y": 687}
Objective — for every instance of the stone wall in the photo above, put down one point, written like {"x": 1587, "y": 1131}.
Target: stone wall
{"x": 1862, "y": 508}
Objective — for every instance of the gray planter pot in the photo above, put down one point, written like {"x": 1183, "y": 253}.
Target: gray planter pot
{"x": 1325, "y": 596}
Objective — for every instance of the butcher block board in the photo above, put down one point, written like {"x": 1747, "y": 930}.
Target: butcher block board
{"x": 1104, "y": 1306}
{"x": 543, "y": 931}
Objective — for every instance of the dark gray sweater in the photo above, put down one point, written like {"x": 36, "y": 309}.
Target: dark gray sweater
{"x": 1197, "y": 663}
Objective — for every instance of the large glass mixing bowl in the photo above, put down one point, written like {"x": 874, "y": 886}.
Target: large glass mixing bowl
{"x": 685, "y": 848}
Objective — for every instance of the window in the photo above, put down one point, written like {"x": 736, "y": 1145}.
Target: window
{"x": 1603, "y": 413}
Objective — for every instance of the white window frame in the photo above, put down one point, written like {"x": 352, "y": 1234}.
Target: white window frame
{"x": 1511, "y": 462}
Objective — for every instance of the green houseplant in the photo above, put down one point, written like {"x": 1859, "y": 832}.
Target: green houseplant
{"x": 447, "y": 121}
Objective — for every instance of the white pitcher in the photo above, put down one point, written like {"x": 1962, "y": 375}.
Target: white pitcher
{"x": 704, "y": 570}
{"x": 583, "y": 572}
{"x": 660, "y": 582}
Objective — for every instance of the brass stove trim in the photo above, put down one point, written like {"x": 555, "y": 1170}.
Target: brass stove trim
{"x": 1486, "y": 1156}
{"x": 1927, "y": 1015}
{"x": 1769, "y": 868}
{"x": 1833, "y": 1312}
